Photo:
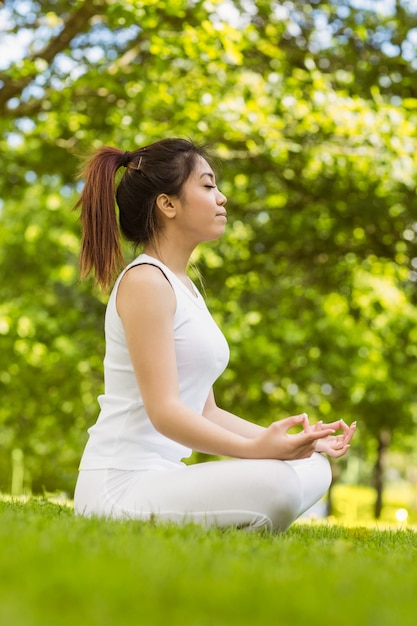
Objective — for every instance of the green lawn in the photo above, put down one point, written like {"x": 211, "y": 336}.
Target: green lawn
{"x": 60, "y": 571}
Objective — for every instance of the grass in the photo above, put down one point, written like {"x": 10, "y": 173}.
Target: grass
{"x": 56, "y": 570}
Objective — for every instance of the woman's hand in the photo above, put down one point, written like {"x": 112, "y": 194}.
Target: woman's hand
{"x": 276, "y": 443}
{"x": 334, "y": 445}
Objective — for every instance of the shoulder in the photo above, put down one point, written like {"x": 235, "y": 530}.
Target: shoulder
{"x": 145, "y": 285}
{"x": 145, "y": 274}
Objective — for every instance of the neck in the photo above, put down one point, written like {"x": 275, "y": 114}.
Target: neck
{"x": 175, "y": 261}
{"x": 174, "y": 258}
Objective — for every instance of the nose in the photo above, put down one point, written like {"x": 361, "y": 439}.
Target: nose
{"x": 221, "y": 198}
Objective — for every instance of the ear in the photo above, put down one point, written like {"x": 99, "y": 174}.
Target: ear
{"x": 166, "y": 205}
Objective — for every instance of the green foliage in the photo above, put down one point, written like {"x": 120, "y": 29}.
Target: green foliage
{"x": 354, "y": 505}
{"x": 57, "y": 569}
{"x": 50, "y": 328}
{"x": 311, "y": 110}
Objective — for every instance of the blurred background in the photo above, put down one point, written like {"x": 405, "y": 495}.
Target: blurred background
{"x": 310, "y": 111}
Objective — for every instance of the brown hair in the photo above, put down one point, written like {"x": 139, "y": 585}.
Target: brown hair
{"x": 162, "y": 167}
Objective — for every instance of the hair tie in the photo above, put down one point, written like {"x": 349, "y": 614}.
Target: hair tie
{"x": 126, "y": 158}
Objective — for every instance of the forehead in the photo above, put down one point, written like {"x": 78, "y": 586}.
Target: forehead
{"x": 202, "y": 167}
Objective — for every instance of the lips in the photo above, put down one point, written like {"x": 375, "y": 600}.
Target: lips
{"x": 222, "y": 214}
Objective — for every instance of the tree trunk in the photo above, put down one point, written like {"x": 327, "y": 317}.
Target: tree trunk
{"x": 384, "y": 440}
{"x": 329, "y": 500}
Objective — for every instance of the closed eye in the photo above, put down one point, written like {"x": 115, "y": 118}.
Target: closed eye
{"x": 210, "y": 186}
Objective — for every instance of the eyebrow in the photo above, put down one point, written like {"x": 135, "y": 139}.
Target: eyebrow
{"x": 207, "y": 174}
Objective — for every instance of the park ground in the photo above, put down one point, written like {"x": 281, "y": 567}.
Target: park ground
{"x": 60, "y": 570}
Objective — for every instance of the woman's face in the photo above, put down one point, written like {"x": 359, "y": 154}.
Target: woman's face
{"x": 200, "y": 211}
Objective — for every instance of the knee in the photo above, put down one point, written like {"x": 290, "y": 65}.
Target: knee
{"x": 285, "y": 497}
{"x": 323, "y": 470}
{"x": 315, "y": 476}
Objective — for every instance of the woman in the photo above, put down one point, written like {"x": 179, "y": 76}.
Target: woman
{"x": 163, "y": 354}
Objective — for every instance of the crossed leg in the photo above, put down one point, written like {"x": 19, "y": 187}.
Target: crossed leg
{"x": 247, "y": 493}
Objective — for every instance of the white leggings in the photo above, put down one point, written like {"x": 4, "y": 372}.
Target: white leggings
{"x": 247, "y": 493}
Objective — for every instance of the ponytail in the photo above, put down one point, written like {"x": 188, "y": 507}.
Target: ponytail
{"x": 101, "y": 251}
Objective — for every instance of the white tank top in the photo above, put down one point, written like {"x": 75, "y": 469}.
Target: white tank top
{"x": 123, "y": 436}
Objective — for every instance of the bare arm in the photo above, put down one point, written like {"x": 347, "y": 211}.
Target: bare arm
{"x": 146, "y": 305}
{"x": 230, "y": 421}
{"x": 333, "y": 445}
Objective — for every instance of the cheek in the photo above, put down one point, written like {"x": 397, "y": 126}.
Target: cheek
{"x": 199, "y": 209}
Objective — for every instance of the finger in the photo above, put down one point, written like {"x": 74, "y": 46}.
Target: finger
{"x": 338, "y": 453}
{"x": 345, "y": 427}
{"x": 335, "y": 442}
{"x": 294, "y": 420}
{"x": 306, "y": 423}
{"x": 331, "y": 444}
{"x": 338, "y": 425}
{"x": 313, "y": 435}
{"x": 335, "y": 425}
{"x": 350, "y": 432}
